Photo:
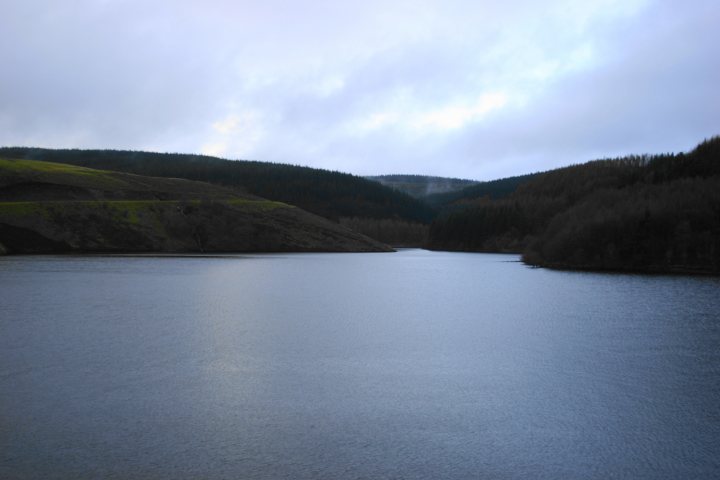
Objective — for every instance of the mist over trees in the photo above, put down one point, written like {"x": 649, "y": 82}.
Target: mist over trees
{"x": 494, "y": 189}
{"x": 422, "y": 186}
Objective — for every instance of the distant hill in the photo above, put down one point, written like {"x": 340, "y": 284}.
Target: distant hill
{"x": 52, "y": 207}
{"x": 494, "y": 189}
{"x": 422, "y": 186}
{"x": 657, "y": 213}
{"x": 333, "y": 195}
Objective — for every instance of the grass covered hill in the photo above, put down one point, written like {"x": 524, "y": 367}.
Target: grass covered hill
{"x": 53, "y": 207}
{"x": 658, "y": 213}
{"x": 333, "y": 195}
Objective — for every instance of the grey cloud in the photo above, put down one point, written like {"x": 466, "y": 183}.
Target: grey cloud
{"x": 280, "y": 81}
{"x": 657, "y": 94}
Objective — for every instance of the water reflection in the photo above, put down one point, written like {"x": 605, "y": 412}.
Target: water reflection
{"x": 410, "y": 365}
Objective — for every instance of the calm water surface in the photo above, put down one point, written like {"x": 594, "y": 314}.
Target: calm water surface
{"x": 413, "y": 365}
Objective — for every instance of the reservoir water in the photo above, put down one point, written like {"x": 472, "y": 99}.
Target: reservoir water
{"x": 409, "y": 365}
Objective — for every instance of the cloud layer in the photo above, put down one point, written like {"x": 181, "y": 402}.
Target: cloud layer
{"x": 456, "y": 88}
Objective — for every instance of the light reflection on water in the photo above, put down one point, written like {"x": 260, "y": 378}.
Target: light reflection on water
{"x": 408, "y": 365}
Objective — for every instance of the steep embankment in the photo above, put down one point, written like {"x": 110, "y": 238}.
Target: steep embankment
{"x": 51, "y": 207}
{"x": 657, "y": 213}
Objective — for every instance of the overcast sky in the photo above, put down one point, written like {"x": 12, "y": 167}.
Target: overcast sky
{"x": 464, "y": 88}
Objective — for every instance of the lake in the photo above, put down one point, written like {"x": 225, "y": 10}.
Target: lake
{"x": 414, "y": 365}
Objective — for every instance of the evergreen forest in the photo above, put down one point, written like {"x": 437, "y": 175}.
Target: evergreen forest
{"x": 653, "y": 213}
{"x": 341, "y": 197}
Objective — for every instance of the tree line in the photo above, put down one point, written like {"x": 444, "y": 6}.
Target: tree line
{"x": 330, "y": 194}
{"x": 640, "y": 213}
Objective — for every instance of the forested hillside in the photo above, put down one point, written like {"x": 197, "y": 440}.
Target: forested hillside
{"x": 371, "y": 207}
{"x": 641, "y": 213}
{"x": 494, "y": 189}
{"x": 53, "y": 207}
{"x": 327, "y": 193}
{"x": 656, "y": 213}
{"x": 422, "y": 186}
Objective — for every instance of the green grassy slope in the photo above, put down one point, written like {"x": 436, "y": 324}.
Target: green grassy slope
{"x": 50, "y": 207}
{"x": 333, "y": 195}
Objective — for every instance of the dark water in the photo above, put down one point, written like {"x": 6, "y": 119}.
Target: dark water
{"x": 412, "y": 365}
